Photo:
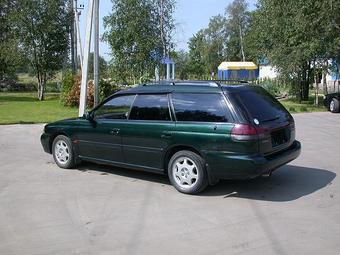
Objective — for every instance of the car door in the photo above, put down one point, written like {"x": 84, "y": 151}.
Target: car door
{"x": 100, "y": 139}
{"x": 147, "y": 133}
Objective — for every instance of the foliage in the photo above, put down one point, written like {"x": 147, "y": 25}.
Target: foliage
{"x": 42, "y": 29}
{"x": 139, "y": 34}
{"x": 106, "y": 88}
{"x": 102, "y": 66}
{"x": 236, "y": 26}
{"x": 67, "y": 83}
{"x": 196, "y": 48}
{"x": 10, "y": 57}
{"x": 182, "y": 64}
{"x": 72, "y": 97}
{"x": 222, "y": 40}
{"x": 276, "y": 87}
{"x": 295, "y": 35}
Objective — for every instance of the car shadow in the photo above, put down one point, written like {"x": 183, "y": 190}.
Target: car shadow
{"x": 129, "y": 173}
{"x": 286, "y": 184}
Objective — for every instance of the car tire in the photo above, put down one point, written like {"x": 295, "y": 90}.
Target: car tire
{"x": 334, "y": 105}
{"x": 62, "y": 152}
{"x": 187, "y": 172}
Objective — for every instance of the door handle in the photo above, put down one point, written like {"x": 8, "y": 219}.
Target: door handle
{"x": 166, "y": 135}
{"x": 115, "y": 131}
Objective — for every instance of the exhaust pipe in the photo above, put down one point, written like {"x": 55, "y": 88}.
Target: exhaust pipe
{"x": 267, "y": 175}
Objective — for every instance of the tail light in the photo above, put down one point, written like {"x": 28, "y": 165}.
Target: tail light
{"x": 244, "y": 132}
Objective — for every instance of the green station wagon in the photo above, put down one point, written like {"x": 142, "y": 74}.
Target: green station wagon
{"x": 195, "y": 132}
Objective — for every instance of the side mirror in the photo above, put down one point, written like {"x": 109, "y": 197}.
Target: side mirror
{"x": 88, "y": 116}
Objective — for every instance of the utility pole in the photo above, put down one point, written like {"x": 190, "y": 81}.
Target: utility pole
{"x": 96, "y": 52}
{"x": 77, "y": 13}
{"x": 84, "y": 71}
{"x": 74, "y": 24}
{"x": 76, "y": 16}
{"x": 71, "y": 6}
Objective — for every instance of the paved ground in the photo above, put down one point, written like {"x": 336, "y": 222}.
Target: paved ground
{"x": 103, "y": 210}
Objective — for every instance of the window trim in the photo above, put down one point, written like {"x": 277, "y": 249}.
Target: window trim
{"x": 152, "y": 121}
{"x": 231, "y": 120}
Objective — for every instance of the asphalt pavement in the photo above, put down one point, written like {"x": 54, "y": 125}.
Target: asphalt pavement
{"x": 98, "y": 209}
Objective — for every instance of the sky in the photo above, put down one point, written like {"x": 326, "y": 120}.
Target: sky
{"x": 190, "y": 17}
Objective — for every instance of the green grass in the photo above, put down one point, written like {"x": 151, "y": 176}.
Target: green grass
{"x": 26, "y": 108}
{"x": 293, "y": 106}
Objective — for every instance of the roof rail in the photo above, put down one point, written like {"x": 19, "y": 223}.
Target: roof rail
{"x": 188, "y": 82}
{"x": 216, "y": 83}
{"x": 231, "y": 81}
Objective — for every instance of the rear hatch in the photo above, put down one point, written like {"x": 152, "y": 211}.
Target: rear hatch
{"x": 274, "y": 125}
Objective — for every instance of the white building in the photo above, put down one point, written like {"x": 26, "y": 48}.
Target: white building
{"x": 268, "y": 72}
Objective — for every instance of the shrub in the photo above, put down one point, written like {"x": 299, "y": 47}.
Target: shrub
{"x": 106, "y": 88}
{"x": 303, "y": 109}
{"x": 292, "y": 109}
{"x": 71, "y": 90}
{"x": 66, "y": 84}
{"x": 73, "y": 96}
{"x": 53, "y": 86}
{"x": 273, "y": 86}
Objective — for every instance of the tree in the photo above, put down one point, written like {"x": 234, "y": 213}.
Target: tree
{"x": 295, "y": 36}
{"x": 102, "y": 66}
{"x": 42, "y": 27}
{"x": 163, "y": 11}
{"x": 207, "y": 48}
{"x": 139, "y": 32}
{"x": 10, "y": 53}
{"x": 237, "y": 22}
{"x": 182, "y": 64}
{"x": 215, "y": 44}
{"x": 196, "y": 51}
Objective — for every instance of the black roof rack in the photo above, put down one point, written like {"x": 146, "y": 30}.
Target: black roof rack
{"x": 216, "y": 83}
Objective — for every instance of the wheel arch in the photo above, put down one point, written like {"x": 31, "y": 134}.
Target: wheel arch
{"x": 54, "y": 135}
{"x": 176, "y": 148}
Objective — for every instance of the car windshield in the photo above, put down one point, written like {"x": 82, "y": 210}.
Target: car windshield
{"x": 260, "y": 104}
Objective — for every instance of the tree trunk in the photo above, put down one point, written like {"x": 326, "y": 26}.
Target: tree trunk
{"x": 304, "y": 83}
{"x": 324, "y": 76}
{"x": 241, "y": 42}
{"x": 316, "y": 88}
{"x": 41, "y": 86}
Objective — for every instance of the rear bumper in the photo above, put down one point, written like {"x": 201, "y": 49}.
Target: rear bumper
{"x": 45, "y": 142}
{"x": 226, "y": 166}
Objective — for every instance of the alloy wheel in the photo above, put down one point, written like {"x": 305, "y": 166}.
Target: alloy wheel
{"x": 62, "y": 152}
{"x": 331, "y": 106}
{"x": 185, "y": 172}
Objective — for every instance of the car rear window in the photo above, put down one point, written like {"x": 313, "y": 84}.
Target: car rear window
{"x": 200, "y": 107}
{"x": 260, "y": 104}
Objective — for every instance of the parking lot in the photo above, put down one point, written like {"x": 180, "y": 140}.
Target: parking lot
{"x": 105, "y": 210}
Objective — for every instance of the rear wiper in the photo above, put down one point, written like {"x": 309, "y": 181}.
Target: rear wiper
{"x": 271, "y": 119}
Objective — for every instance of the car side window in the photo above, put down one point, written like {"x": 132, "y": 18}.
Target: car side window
{"x": 116, "y": 108}
{"x": 151, "y": 107}
{"x": 200, "y": 107}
